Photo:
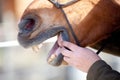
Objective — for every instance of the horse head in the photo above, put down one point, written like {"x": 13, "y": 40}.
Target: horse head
{"x": 92, "y": 21}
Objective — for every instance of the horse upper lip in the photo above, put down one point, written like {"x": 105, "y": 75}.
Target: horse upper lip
{"x": 26, "y": 42}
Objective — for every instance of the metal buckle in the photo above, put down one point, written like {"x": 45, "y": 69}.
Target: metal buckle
{"x": 55, "y": 2}
{"x": 58, "y": 5}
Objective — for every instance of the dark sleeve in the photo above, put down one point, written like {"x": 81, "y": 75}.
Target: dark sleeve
{"x": 100, "y": 70}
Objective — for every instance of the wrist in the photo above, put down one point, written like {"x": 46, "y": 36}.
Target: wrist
{"x": 93, "y": 61}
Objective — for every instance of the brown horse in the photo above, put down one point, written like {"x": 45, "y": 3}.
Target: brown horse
{"x": 92, "y": 21}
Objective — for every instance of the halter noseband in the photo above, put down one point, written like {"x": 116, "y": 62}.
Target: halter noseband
{"x": 58, "y": 5}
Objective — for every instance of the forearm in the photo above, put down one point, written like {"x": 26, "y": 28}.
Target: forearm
{"x": 102, "y": 71}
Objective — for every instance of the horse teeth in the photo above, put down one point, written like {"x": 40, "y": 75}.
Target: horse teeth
{"x": 51, "y": 58}
{"x": 35, "y": 48}
{"x": 40, "y": 45}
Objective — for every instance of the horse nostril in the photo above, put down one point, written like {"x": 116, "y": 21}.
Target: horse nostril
{"x": 30, "y": 24}
{"x": 26, "y": 24}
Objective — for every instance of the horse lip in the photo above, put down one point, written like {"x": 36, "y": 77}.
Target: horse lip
{"x": 26, "y": 42}
{"x": 55, "y": 58}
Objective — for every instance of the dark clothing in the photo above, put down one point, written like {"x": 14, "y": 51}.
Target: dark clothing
{"x": 102, "y": 71}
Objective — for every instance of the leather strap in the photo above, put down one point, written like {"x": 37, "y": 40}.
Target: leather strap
{"x": 60, "y": 6}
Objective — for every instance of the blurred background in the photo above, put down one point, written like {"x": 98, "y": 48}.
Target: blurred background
{"x": 17, "y": 63}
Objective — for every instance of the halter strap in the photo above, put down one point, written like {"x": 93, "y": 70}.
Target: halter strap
{"x": 60, "y": 6}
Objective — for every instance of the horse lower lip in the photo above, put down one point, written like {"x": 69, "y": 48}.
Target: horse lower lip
{"x": 54, "y": 53}
{"x": 54, "y": 48}
{"x": 55, "y": 57}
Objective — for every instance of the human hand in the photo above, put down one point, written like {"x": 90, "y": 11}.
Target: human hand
{"x": 81, "y": 58}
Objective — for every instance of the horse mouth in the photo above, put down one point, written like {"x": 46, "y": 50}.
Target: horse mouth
{"x": 55, "y": 58}
{"x": 29, "y": 24}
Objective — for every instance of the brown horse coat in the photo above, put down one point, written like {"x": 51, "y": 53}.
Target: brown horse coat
{"x": 92, "y": 22}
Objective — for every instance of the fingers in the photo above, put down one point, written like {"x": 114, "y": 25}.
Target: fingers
{"x": 69, "y": 45}
{"x": 66, "y": 53}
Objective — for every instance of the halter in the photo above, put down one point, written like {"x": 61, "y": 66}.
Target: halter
{"x": 61, "y": 6}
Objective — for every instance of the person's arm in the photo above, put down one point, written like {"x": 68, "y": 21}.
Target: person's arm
{"x": 86, "y": 60}
{"x": 100, "y": 70}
